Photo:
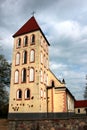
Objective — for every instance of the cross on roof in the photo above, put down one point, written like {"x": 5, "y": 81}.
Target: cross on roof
{"x": 33, "y": 13}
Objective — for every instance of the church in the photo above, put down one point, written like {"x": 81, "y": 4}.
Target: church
{"x": 34, "y": 89}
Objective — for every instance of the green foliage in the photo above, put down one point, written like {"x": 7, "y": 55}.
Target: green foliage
{"x": 5, "y": 69}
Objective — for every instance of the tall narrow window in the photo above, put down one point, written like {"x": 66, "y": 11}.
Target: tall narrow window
{"x": 41, "y": 76}
{"x": 44, "y": 61}
{"x": 32, "y": 56}
{"x": 41, "y": 40}
{"x": 17, "y": 58}
{"x": 32, "y": 75}
{"x": 32, "y": 39}
{"x": 16, "y": 76}
{"x": 78, "y": 110}
{"x": 24, "y": 75}
{"x": 24, "y": 57}
{"x": 25, "y": 41}
{"x": 41, "y": 58}
{"x": 19, "y": 94}
{"x": 47, "y": 64}
{"x": 41, "y": 92}
{"x": 27, "y": 94}
{"x": 45, "y": 94}
{"x": 45, "y": 78}
{"x": 52, "y": 83}
{"x": 19, "y": 42}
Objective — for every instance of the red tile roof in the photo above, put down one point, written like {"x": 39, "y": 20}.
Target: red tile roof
{"x": 80, "y": 103}
{"x": 30, "y": 26}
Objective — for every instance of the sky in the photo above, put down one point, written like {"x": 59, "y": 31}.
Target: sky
{"x": 64, "y": 23}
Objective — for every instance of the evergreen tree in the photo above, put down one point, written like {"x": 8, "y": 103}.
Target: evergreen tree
{"x": 85, "y": 92}
{"x": 5, "y": 69}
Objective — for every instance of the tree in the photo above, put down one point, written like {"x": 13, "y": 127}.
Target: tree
{"x": 85, "y": 92}
{"x": 5, "y": 70}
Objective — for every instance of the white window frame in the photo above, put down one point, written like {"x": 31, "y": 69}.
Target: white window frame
{"x": 41, "y": 93}
{"x": 45, "y": 94}
{"x": 24, "y": 57}
{"x": 32, "y": 75}
{"x": 17, "y": 58}
{"x": 41, "y": 75}
{"x": 26, "y": 94}
{"x": 32, "y": 55}
{"x": 41, "y": 58}
{"x": 23, "y": 75}
{"x": 16, "y": 76}
{"x": 18, "y": 94}
{"x": 25, "y": 41}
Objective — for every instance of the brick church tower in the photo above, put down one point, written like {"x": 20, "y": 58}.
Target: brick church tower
{"x": 30, "y": 65}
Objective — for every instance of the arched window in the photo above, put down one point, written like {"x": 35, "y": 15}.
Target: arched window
{"x": 24, "y": 75}
{"x": 32, "y": 56}
{"x": 32, "y": 39}
{"x": 27, "y": 94}
{"x": 52, "y": 83}
{"x": 17, "y": 58}
{"x": 18, "y": 42}
{"x": 25, "y": 41}
{"x": 41, "y": 58}
{"x": 45, "y": 78}
{"x": 44, "y": 61}
{"x": 45, "y": 94}
{"x": 19, "y": 94}
{"x": 47, "y": 63}
{"x": 32, "y": 75}
{"x": 41, "y": 92}
{"x": 16, "y": 76}
{"x": 41, "y": 76}
{"x": 24, "y": 57}
{"x": 41, "y": 40}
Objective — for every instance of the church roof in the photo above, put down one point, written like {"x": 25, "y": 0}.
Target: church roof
{"x": 30, "y": 26}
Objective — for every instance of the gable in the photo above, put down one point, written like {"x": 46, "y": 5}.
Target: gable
{"x": 30, "y": 26}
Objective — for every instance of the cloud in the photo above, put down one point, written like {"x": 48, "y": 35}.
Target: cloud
{"x": 63, "y": 23}
{"x": 75, "y": 79}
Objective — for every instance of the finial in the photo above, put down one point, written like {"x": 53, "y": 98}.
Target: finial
{"x": 63, "y": 81}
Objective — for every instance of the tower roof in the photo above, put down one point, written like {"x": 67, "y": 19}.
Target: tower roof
{"x": 30, "y": 26}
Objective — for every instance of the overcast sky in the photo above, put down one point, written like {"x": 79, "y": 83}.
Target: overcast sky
{"x": 64, "y": 23}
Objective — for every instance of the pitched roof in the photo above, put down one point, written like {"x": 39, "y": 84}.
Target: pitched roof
{"x": 30, "y": 26}
{"x": 80, "y": 103}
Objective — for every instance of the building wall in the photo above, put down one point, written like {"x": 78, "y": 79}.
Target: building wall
{"x": 70, "y": 103}
{"x": 59, "y": 101}
{"x": 50, "y": 100}
{"x": 57, "y": 98}
{"x": 36, "y": 102}
{"x": 80, "y": 110}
